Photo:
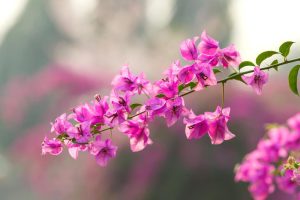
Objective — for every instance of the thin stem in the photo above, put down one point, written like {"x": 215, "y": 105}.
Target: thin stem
{"x": 130, "y": 117}
{"x": 264, "y": 68}
{"x": 247, "y": 72}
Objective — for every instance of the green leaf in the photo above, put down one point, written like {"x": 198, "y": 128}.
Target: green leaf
{"x": 293, "y": 77}
{"x": 246, "y": 63}
{"x": 275, "y": 62}
{"x": 284, "y": 49}
{"x": 160, "y": 96}
{"x": 239, "y": 78}
{"x": 192, "y": 85}
{"x": 216, "y": 71}
{"x": 264, "y": 55}
{"x": 181, "y": 87}
{"x": 135, "y": 105}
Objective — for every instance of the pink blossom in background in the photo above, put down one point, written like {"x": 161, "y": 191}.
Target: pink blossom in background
{"x": 271, "y": 153}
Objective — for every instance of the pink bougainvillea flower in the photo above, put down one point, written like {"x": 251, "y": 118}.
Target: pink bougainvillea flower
{"x": 138, "y": 133}
{"x": 53, "y": 146}
{"x": 121, "y": 102}
{"x": 125, "y": 81}
{"x": 217, "y": 125}
{"x": 167, "y": 86}
{"x": 188, "y": 49}
{"x": 98, "y": 110}
{"x": 212, "y": 54}
{"x": 256, "y": 80}
{"x": 103, "y": 151}
{"x": 276, "y": 144}
{"x": 156, "y": 106}
{"x": 286, "y": 182}
{"x": 229, "y": 56}
{"x": 205, "y": 76}
{"x": 81, "y": 133}
{"x": 114, "y": 117}
{"x": 74, "y": 148}
{"x": 174, "y": 109}
{"x": 143, "y": 85}
{"x": 260, "y": 190}
{"x": 173, "y": 70}
{"x": 82, "y": 113}
{"x": 294, "y": 122}
{"x": 208, "y": 45}
{"x": 196, "y": 126}
{"x": 61, "y": 124}
{"x": 186, "y": 74}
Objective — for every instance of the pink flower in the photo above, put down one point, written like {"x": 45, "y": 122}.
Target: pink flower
{"x": 98, "y": 110}
{"x": 61, "y": 124}
{"x": 114, "y": 117}
{"x": 188, "y": 49}
{"x": 205, "y": 76}
{"x": 174, "y": 109}
{"x": 74, "y": 148}
{"x": 196, "y": 126}
{"x": 138, "y": 133}
{"x": 121, "y": 102}
{"x": 103, "y": 151}
{"x": 294, "y": 123}
{"x": 229, "y": 56}
{"x": 143, "y": 85}
{"x": 276, "y": 144}
{"x": 125, "y": 81}
{"x": 208, "y": 45}
{"x": 261, "y": 189}
{"x": 53, "y": 146}
{"x": 186, "y": 74}
{"x": 217, "y": 125}
{"x": 81, "y": 133}
{"x": 212, "y": 54}
{"x": 173, "y": 70}
{"x": 167, "y": 86}
{"x": 286, "y": 182}
{"x": 156, "y": 106}
{"x": 256, "y": 80}
{"x": 82, "y": 113}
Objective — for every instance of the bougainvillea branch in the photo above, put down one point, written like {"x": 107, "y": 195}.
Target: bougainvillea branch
{"x": 86, "y": 127}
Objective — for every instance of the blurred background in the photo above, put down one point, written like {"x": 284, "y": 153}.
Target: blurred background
{"x": 55, "y": 54}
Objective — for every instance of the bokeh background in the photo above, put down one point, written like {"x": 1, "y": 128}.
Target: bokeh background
{"x": 55, "y": 54}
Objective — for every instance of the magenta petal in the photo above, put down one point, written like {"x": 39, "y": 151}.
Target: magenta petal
{"x": 208, "y": 45}
{"x": 186, "y": 74}
{"x": 188, "y": 50}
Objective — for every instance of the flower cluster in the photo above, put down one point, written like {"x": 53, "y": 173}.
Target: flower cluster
{"x": 273, "y": 160}
{"x": 81, "y": 130}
